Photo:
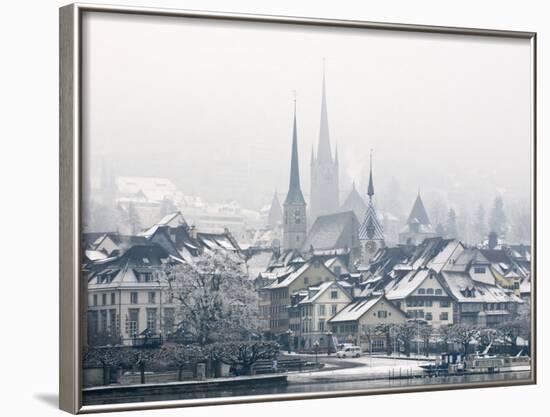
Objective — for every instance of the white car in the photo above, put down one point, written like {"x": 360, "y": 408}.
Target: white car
{"x": 349, "y": 352}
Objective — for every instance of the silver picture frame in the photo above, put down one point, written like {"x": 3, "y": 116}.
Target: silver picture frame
{"x": 71, "y": 287}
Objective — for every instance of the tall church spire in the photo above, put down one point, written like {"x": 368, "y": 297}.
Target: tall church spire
{"x": 294, "y": 191}
{"x": 370, "y": 190}
{"x": 324, "y": 153}
{"x": 295, "y": 219}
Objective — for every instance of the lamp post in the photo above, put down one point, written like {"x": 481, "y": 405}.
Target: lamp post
{"x": 288, "y": 336}
{"x": 316, "y": 347}
{"x": 329, "y": 341}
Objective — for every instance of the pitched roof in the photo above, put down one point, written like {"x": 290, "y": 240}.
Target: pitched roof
{"x": 333, "y": 231}
{"x": 294, "y": 195}
{"x": 315, "y": 292}
{"x": 418, "y": 213}
{"x": 354, "y": 202}
{"x": 371, "y": 228}
{"x": 357, "y": 309}
{"x": 464, "y": 289}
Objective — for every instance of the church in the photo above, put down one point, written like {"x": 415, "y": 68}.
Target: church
{"x": 324, "y": 192}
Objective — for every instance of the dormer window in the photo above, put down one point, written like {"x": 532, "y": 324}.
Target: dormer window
{"x": 479, "y": 269}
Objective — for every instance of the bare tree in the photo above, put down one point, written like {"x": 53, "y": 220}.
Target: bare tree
{"x": 464, "y": 334}
{"x": 406, "y": 333}
{"x": 386, "y": 330}
{"x": 182, "y": 355}
{"x": 244, "y": 354}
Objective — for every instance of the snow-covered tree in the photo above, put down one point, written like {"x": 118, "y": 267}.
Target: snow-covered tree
{"x": 451, "y": 227}
{"x": 217, "y": 300}
{"x": 480, "y": 225}
{"x": 497, "y": 219}
{"x": 521, "y": 224}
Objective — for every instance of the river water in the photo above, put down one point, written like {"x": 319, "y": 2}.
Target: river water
{"x": 308, "y": 388}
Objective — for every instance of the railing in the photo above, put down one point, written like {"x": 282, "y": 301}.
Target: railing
{"x": 142, "y": 341}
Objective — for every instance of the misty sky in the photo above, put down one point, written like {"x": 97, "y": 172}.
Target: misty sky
{"x": 209, "y": 105}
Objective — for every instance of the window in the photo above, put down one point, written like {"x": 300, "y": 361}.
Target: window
{"x": 103, "y": 299}
{"x": 444, "y": 316}
{"x": 152, "y": 320}
{"x": 444, "y": 304}
{"x": 152, "y": 297}
{"x": 113, "y": 323}
{"x": 337, "y": 270}
{"x": 95, "y": 300}
{"x": 133, "y": 322}
{"x": 333, "y": 309}
{"x": 430, "y": 291}
{"x": 321, "y": 325}
{"x": 334, "y": 295}
{"x": 438, "y": 291}
{"x": 428, "y": 303}
{"x": 113, "y": 298}
{"x": 428, "y": 316}
{"x": 321, "y": 309}
{"x": 103, "y": 325}
{"x": 479, "y": 269}
{"x": 133, "y": 298}
{"x": 421, "y": 291}
{"x": 382, "y": 314}
{"x": 306, "y": 280}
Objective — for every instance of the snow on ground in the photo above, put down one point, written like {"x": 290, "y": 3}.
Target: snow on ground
{"x": 369, "y": 368}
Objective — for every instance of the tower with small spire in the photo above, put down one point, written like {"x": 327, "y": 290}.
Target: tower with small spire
{"x": 294, "y": 206}
{"x": 418, "y": 225}
{"x": 324, "y": 193}
{"x": 275, "y": 215}
{"x": 371, "y": 233}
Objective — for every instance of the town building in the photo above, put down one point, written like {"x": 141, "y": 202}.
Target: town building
{"x": 371, "y": 234}
{"x": 355, "y": 322}
{"x": 310, "y": 310}
{"x": 275, "y": 297}
{"x": 324, "y": 195}
{"x": 418, "y": 225}
{"x": 294, "y": 212}
{"x": 128, "y": 299}
{"x": 354, "y": 202}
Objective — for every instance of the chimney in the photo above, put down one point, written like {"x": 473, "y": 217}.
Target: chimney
{"x": 193, "y": 232}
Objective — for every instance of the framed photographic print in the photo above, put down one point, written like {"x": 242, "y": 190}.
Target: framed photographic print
{"x": 259, "y": 208}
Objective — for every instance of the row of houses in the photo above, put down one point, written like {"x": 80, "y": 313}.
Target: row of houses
{"x": 127, "y": 294}
{"x": 438, "y": 282}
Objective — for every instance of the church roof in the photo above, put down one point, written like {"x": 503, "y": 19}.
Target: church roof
{"x": 294, "y": 195}
{"x": 371, "y": 229}
{"x": 324, "y": 153}
{"x": 275, "y": 215}
{"x": 418, "y": 213}
{"x": 333, "y": 231}
{"x": 354, "y": 202}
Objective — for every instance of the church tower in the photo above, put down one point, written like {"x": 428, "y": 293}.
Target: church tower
{"x": 371, "y": 233}
{"x": 294, "y": 206}
{"x": 324, "y": 169}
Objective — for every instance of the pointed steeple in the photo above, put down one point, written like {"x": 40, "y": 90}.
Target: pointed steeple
{"x": 324, "y": 153}
{"x": 370, "y": 190}
{"x": 312, "y": 155}
{"x": 336, "y": 154}
{"x": 275, "y": 216}
{"x": 294, "y": 195}
{"x": 418, "y": 213}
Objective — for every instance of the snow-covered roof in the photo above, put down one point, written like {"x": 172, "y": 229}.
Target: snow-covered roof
{"x": 406, "y": 285}
{"x": 466, "y": 290}
{"x": 154, "y": 188}
{"x": 355, "y": 310}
